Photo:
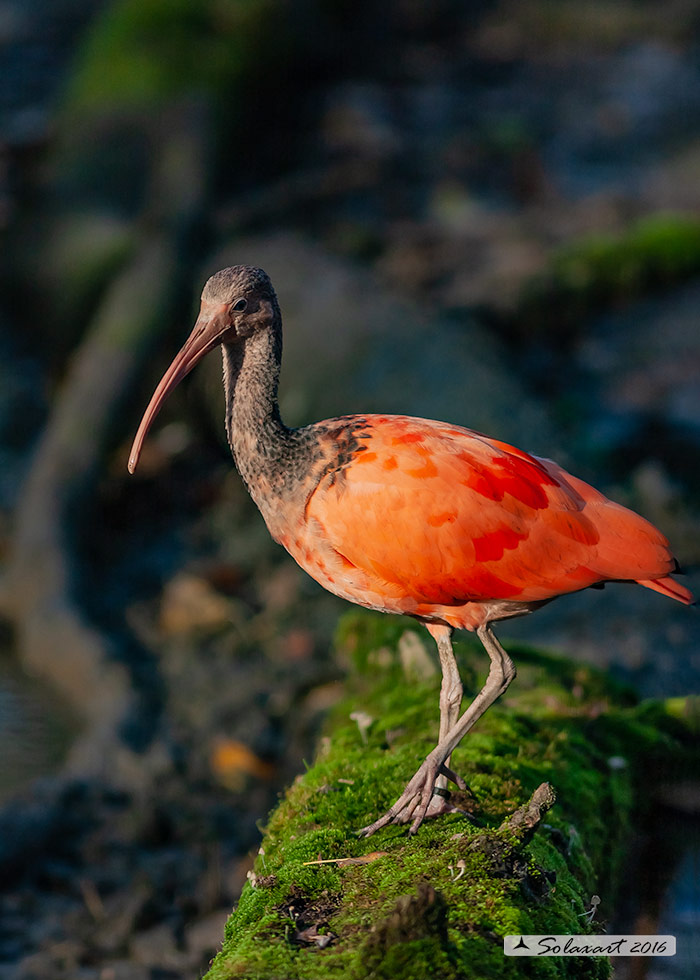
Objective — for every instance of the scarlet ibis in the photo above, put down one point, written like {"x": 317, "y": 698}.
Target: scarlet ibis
{"x": 407, "y": 515}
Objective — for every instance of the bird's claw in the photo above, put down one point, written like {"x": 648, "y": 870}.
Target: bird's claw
{"x": 457, "y": 780}
{"x": 420, "y": 799}
{"x": 454, "y": 778}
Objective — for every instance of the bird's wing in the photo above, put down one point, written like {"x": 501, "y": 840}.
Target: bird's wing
{"x": 448, "y": 516}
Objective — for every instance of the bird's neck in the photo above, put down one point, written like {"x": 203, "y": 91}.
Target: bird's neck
{"x": 258, "y": 438}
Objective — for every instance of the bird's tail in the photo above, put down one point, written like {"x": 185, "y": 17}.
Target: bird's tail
{"x": 668, "y": 586}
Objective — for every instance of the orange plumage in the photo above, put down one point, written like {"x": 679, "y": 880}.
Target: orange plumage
{"x": 439, "y": 521}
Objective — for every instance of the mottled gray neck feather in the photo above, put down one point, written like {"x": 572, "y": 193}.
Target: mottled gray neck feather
{"x": 259, "y": 440}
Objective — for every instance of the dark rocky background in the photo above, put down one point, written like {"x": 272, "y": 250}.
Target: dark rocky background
{"x": 487, "y": 212}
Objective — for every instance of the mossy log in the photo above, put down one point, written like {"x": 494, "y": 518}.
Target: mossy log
{"x": 323, "y": 903}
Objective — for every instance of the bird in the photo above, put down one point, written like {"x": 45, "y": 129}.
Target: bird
{"x": 410, "y": 516}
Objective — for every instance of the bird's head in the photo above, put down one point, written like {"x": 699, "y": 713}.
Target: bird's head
{"x": 236, "y": 304}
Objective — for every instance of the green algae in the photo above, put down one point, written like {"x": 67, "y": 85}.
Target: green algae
{"x": 439, "y": 903}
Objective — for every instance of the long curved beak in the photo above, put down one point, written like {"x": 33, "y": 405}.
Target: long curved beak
{"x": 212, "y": 323}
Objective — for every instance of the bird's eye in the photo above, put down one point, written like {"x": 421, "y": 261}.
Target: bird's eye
{"x": 239, "y": 305}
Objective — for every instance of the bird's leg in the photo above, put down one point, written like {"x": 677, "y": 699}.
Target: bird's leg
{"x": 415, "y": 799}
{"x": 451, "y": 691}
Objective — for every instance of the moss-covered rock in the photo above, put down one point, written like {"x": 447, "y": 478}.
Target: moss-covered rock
{"x": 324, "y": 903}
{"x": 145, "y": 52}
{"x": 600, "y": 270}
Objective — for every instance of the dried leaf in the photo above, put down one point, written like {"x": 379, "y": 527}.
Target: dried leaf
{"x": 233, "y": 763}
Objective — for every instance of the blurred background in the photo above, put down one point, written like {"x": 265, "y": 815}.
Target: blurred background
{"x": 486, "y": 212}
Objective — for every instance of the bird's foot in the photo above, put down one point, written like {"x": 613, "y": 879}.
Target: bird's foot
{"x": 420, "y": 799}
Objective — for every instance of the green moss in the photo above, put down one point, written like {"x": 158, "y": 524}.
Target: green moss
{"x": 438, "y": 904}
{"x": 657, "y": 249}
{"x": 144, "y": 52}
{"x": 599, "y": 270}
